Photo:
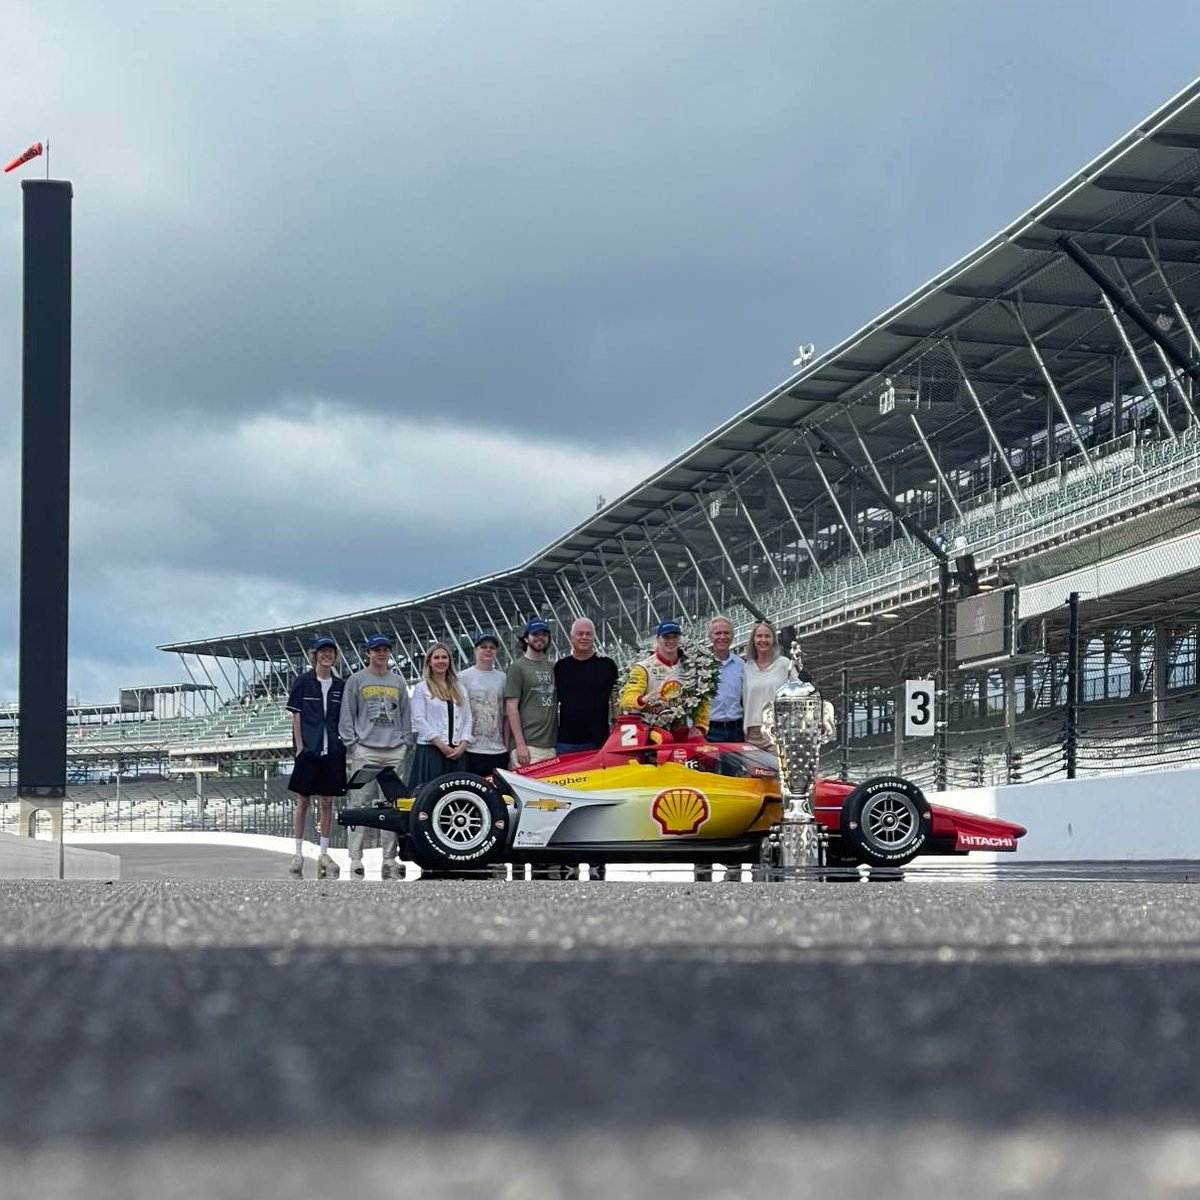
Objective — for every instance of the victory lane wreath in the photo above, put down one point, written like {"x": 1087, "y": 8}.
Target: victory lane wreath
{"x": 698, "y": 672}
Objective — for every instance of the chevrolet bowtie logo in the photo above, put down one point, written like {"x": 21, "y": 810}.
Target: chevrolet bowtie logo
{"x": 548, "y": 805}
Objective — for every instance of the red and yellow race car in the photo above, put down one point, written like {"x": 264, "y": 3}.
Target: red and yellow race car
{"x": 638, "y": 800}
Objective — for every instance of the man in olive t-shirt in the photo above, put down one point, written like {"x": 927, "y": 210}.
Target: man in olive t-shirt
{"x": 530, "y": 702}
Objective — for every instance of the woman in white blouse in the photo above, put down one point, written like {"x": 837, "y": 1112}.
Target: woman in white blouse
{"x": 441, "y": 718}
{"x": 766, "y": 672}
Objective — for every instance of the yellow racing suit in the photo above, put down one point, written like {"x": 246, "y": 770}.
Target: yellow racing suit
{"x": 654, "y": 680}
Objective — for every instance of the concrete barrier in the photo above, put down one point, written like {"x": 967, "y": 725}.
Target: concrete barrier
{"x": 37, "y": 858}
{"x": 1142, "y": 815}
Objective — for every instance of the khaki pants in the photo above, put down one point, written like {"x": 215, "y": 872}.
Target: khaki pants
{"x": 364, "y": 756}
{"x": 536, "y": 754}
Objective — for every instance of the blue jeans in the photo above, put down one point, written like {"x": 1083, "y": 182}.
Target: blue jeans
{"x": 574, "y": 747}
{"x": 726, "y": 731}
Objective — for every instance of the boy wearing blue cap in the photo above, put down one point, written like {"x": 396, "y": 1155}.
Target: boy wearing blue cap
{"x": 665, "y": 682}
{"x": 315, "y": 703}
{"x": 376, "y": 726}
{"x": 484, "y": 686}
{"x": 530, "y": 701}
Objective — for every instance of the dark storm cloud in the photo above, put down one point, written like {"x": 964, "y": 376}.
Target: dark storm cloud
{"x": 602, "y": 226}
{"x": 452, "y": 210}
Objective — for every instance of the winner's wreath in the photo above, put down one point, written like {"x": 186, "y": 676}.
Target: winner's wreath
{"x": 698, "y": 675}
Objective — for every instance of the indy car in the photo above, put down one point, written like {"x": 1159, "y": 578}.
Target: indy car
{"x": 641, "y": 799}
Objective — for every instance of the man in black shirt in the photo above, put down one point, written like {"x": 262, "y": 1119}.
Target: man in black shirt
{"x": 584, "y": 681}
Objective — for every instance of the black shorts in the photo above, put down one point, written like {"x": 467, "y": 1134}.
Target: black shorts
{"x": 324, "y": 776}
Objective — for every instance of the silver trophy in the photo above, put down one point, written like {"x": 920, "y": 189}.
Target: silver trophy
{"x": 795, "y": 722}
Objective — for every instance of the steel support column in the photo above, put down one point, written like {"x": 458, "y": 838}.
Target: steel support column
{"x": 1130, "y": 308}
{"x": 941, "y": 732}
{"x": 651, "y": 607}
{"x": 613, "y": 635}
{"x": 943, "y": 482}
{"x": 787, "y": 507}
{"x": 953, "y": 349}
{"x": 1152, "y": 251}
{"x": 862, "y": 445}
{"x": 1132, "y": 355}
{"x": 551, "y": 607}
{"x": 1172, "y": 372}
{"x": 633, "y": 624}
{"x": 683, "y": 542}
{"x": 1052, "y": 387}
{"x": 737, "y": 495}
{"x": 564, "y": 586}
{"x": 846, "y": 525}
{"x": 683, "y": 608}
{"x": 1158, "y": 684}
{"x": 734, "y": 572}
{"x": 844, "y": 768}
{"x": 1071, "y": 746}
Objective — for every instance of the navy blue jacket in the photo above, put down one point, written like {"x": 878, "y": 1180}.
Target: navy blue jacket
{"x": 317, "y": 720}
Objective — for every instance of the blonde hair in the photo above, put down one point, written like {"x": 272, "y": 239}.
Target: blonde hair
{"x": 312, "y": 656}
{"x": 752, "y": 649}
{"x": 442, "y": 689}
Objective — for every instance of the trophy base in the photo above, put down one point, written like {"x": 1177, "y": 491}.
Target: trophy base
{"x": 793, "y": 844}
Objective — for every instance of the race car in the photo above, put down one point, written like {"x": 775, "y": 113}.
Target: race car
{"x": 640, "y": 799}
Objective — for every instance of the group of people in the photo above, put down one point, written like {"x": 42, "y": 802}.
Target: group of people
{"x": 484, "y": 717}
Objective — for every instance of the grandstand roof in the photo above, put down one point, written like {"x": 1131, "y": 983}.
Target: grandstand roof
{"x": 1009, "y": 336}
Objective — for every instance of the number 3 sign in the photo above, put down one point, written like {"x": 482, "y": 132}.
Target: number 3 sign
{"x": 918, "y": 707}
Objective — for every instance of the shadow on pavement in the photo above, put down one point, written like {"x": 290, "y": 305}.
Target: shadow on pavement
{"x": 124, "y": 1044}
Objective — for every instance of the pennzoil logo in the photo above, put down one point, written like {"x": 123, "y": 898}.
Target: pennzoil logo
{"x": 548, "y": 805}
{"x": 680, "y": 810}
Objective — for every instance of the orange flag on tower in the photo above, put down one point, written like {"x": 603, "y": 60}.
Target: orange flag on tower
{"x": 24, "y": 157}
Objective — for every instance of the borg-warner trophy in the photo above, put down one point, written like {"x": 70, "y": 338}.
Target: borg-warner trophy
{"x": 796, "y": 722}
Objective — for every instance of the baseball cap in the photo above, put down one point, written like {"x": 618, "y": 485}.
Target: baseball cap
{"x": 535, "y": 625}
{"x": 668, "y": 627}
{"x": 378, "y": 639}
{"x": 485, "y": 635}
{"x": 319, "y": 643}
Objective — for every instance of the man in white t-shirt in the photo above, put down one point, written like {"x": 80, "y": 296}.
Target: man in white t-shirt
{"x": 484, "y": 687}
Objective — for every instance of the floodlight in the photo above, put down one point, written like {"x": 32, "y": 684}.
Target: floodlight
{"x": 804, "y": 354}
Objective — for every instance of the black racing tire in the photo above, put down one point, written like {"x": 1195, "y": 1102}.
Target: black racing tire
{"x": 885, "y": 822}
{"x": 457, "y": 821}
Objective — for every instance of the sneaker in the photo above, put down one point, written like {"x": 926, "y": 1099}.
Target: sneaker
{"x": 356, "y": 869}
{"x": 327, "y": 868}
{"x": 297, "y": 867}
{"x": 391, "y": 870}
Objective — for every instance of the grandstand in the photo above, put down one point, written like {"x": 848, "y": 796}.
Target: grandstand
{"x": 1034, "y": 405}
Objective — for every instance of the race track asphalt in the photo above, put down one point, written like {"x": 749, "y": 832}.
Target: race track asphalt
{"x": 484, "y": 1039}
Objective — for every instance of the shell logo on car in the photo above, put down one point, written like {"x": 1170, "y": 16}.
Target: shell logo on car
{"x": 680, "y": 810}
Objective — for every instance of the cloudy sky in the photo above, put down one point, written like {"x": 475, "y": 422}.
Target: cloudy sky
{"x": 371, "y": 298}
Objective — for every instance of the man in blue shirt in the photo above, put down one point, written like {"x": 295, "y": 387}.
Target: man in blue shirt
{"x": 315, "y": 703}
{"x": 725, "y": 719}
